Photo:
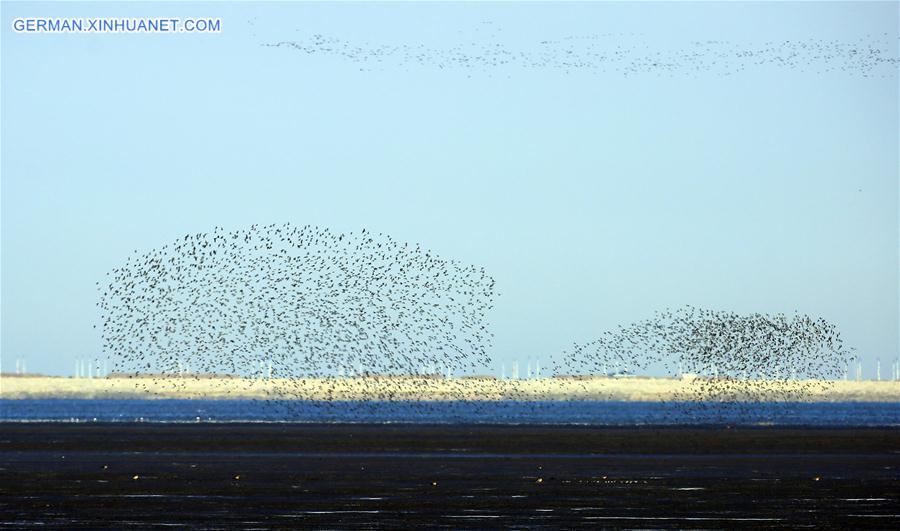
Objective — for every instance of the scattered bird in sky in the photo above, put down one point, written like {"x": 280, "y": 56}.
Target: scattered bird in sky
{"x": 622, "y": 54}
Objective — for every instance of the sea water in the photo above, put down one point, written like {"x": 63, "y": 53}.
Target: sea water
{"x": 849, "y": 414}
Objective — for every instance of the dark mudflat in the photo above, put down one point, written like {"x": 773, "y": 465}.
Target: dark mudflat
{"x": 401, "y": 476}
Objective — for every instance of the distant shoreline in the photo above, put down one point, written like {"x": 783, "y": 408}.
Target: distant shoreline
{"x": 641, "y": 389}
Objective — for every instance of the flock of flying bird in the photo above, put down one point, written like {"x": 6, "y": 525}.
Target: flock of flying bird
{"x": 623, "y": 54}
{"x": 289, "y": 304}
{"x": 292, "y": 304}
{"x": 297, "y": 306}
{"x": 731, "y": 358}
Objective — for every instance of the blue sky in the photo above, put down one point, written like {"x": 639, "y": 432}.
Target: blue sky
{"x": 592, "y": 197}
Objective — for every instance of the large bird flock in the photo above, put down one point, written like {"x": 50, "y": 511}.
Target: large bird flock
{"x": 614, "y": 54}
{"x": 298, "y": 306}
{"x": 727, "y": 357}
{"x": 289, "y": 304}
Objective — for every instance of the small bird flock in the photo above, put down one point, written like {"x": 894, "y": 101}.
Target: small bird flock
{"x": 285, "y": 304}
{"x": 624, "y": 54}
{"x": 730, "y": 358}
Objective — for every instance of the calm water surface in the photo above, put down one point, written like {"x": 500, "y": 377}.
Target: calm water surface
{"x": 506, "y": 412}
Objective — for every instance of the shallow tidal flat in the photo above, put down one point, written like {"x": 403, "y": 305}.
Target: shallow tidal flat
{"x": 438, "y": 389}
{"x": 209, "y": 476}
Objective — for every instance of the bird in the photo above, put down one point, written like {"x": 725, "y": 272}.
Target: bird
{"x": 285, "y": 309}
{"x": 739, "y": 360}
{"x": 485, "y": 51}
{"x": 301, "y": 317}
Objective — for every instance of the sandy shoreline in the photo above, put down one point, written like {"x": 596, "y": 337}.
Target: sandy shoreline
{"x": 436, "y": 389}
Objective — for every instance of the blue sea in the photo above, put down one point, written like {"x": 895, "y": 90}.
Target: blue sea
{"x": 850, "y": 414}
